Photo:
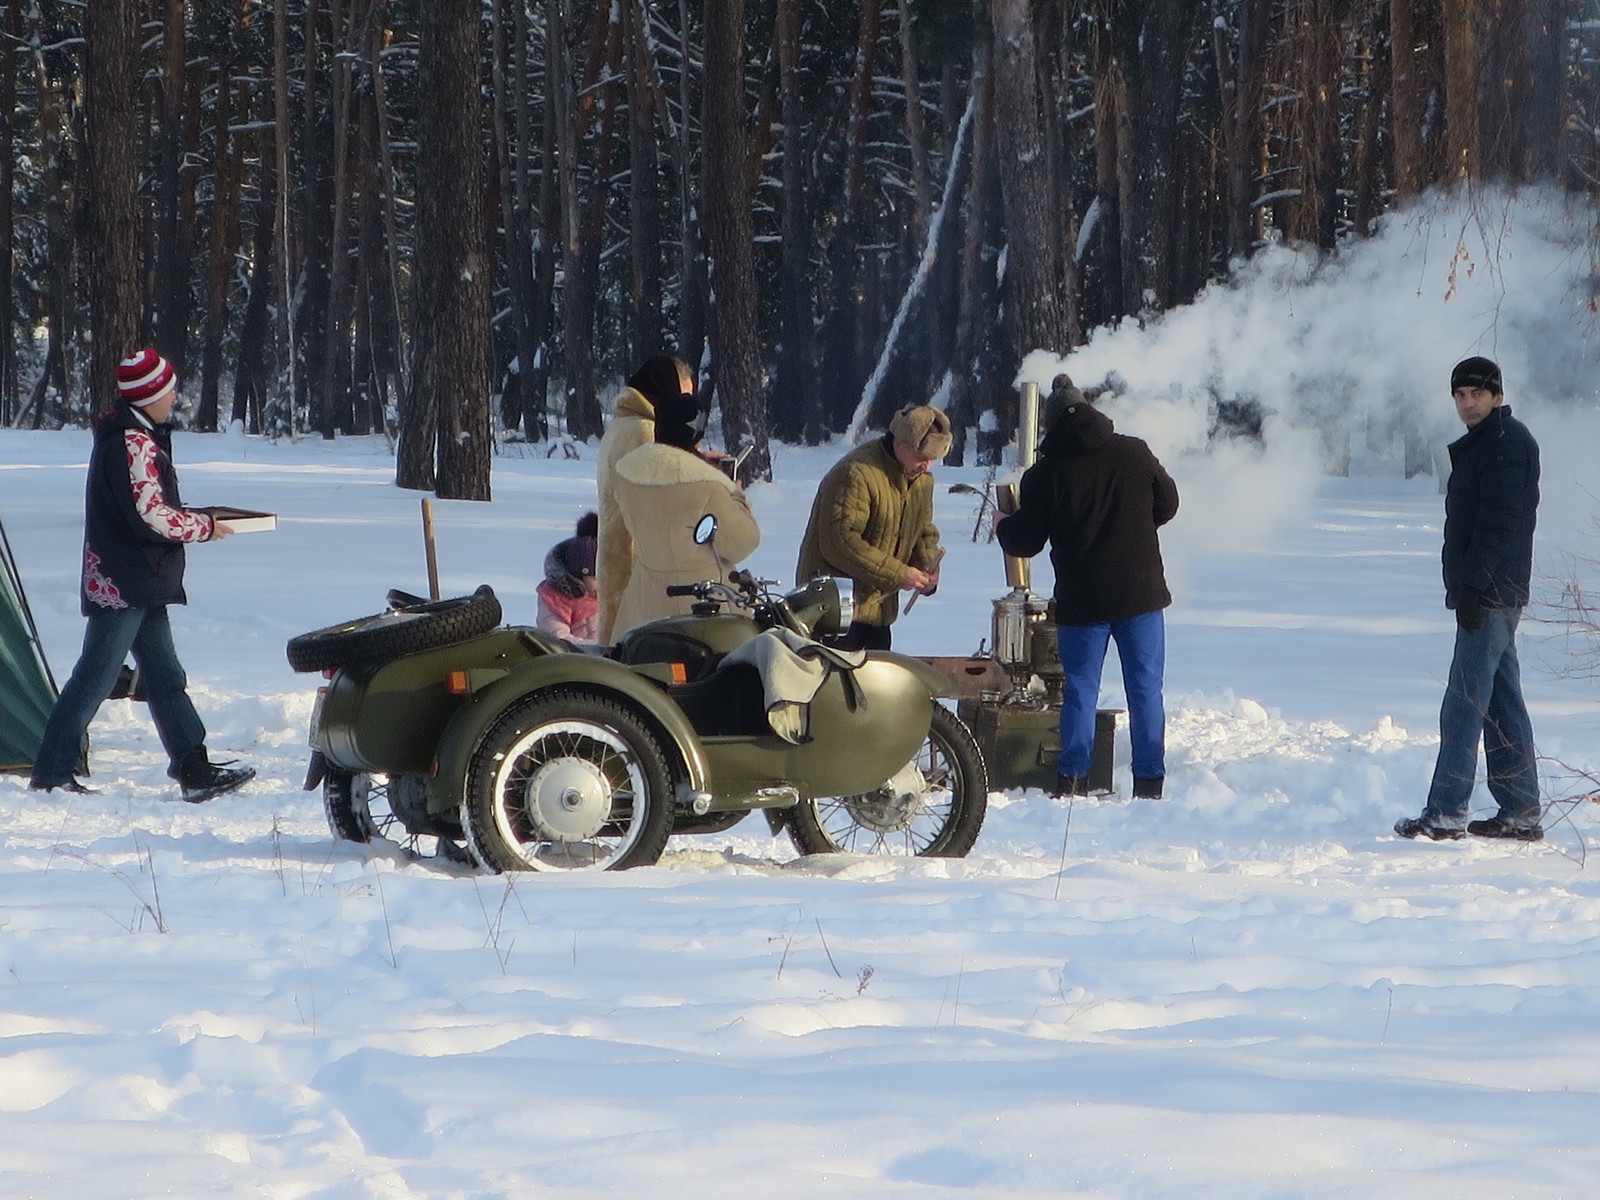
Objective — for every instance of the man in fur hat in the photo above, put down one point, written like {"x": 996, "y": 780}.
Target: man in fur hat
{"x": 872, "y": 522}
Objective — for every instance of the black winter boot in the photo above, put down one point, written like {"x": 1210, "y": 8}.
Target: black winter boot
{"x": 1071, "y": 785}
{"x": 1415, "y": 827}
{"x": 201, "y": 779}
{"x": 1499, "y": 827}
{"x": 1148, "y": 789}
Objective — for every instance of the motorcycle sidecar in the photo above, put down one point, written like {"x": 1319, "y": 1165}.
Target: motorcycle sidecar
{"x": 437, "y": 725}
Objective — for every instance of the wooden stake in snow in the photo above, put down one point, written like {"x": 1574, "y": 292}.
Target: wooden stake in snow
{"x": 429, "y": 548}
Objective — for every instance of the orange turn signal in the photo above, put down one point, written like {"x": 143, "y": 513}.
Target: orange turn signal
{"x": 456, "y": 683}
{"x": 680, "y": 672}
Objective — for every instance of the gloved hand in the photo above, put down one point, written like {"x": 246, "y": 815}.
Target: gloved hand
{"x": 1469, "y": 609}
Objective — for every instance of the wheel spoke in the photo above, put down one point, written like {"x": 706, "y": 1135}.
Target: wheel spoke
{"x": 932, "y": 806}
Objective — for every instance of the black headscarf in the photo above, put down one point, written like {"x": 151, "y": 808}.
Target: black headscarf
{"x": 657, "y": 378}
{"x": 678, "y": 420}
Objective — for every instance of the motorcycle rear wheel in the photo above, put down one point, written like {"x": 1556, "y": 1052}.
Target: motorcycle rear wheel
{"x": 940, "y": 819}
{"x": 567, "y": 781}
{"x": 359, "y": 810}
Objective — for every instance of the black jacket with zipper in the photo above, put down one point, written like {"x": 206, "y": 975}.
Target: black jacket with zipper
{"x": 1490, "y": 505}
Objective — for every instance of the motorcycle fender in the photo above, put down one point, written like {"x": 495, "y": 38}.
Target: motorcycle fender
{"x": 468, "y": 726}
{"x": 316, "y": 771}
{"x": 934, "y": 679}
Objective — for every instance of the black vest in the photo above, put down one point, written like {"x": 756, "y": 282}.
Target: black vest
{"x": 126, "y": 563}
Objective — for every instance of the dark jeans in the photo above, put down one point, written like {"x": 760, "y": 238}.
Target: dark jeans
{"x": 110, "y": 636}
{"x": 1483, "y": 702}
{"x": 1142, "y": 647}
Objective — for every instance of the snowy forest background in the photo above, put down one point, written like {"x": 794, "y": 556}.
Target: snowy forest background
{"x": 464, "y": 221}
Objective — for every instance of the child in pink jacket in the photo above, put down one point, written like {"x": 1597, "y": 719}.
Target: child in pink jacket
{"x": 567, "y": 604}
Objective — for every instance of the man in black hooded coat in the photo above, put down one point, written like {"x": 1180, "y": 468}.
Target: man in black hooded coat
{"x": 1098, "y": 497}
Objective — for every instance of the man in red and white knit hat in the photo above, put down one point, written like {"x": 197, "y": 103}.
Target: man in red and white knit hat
{"x": 135, "y": 530}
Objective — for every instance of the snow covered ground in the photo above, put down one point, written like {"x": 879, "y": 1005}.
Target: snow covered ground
{"x": 1251, "y": 989}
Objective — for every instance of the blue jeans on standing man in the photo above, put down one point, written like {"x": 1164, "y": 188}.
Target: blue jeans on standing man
{"x": 1142, "y": 648}
{"x": 110, "y": 636}
{"x": 1483, "y": 701}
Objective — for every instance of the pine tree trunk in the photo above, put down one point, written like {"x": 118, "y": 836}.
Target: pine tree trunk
{"x": 334, "y": 368}
{"x": 450, "y": 382}
{"x": 1150, "y": 43}
{"x": 1035, "y": 270}
{"x": 1241, "y": 120}
{"x": 736, "y": 347}
{"x": 695, "y": 288}
{"x": 644, "y": 192}
{"x": 844, "y": 349}
{"x": 1547, "y": 92}
{"x": 536, "y": 375}
{"x": 795, "y": 400}
{"x": 11, "y": 34}
{"x": 110, "y": 194}
{"x": 172, "y": 241}
{"x": 395, "y": 353}
{"x": 583, "y": 149}
{"x": 224, "y": 224}
{"x": 1461, "y": 74}
{"x": 1405, "y": 100}
{"x": 1317, "y": 39}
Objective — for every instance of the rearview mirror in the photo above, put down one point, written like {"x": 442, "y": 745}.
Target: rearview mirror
{"x": 705, "y": 529}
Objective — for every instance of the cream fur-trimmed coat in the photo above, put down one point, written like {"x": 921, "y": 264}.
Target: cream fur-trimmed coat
{"x": 633, "y": 424}
{"x": 661, "y": 493}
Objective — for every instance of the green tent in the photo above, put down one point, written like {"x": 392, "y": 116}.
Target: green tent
{"x": 27, "y": 690}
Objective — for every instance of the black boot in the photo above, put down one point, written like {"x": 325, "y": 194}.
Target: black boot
{"x": 1071, "y": 785}
{"x": 1148, "y": 789}
{"x": 1499, "y": 827}
{"x": 1415, "y": 827}
{"x": 201, "y": 779}
{"x": 69, "y": 785}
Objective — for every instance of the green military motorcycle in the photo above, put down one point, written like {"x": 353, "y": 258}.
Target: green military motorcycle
{"x": 445, "y": 732}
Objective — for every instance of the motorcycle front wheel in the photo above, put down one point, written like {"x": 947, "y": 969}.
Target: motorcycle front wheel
{"x": 933, "y": 807}
{"x": 567, "y": 781}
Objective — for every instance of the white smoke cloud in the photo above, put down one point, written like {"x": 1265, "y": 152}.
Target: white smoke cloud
{"x": 1348, "y": 352}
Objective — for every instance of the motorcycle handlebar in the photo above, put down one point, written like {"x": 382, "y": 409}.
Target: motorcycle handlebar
{"x": 683, "y": 589}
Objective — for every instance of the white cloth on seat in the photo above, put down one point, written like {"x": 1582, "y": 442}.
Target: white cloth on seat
{"x": 792, "y": 669}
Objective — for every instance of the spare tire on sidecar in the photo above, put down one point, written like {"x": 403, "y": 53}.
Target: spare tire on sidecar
{"x": 409, "y": 625}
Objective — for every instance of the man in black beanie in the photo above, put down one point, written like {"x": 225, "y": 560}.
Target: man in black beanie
{"x": 1489, "y": 513}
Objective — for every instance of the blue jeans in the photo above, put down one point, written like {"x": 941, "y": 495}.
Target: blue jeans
{"x": 1483, "y": 701}
{"x": 106, "y": 643}
{"x": 1142, "y": 647}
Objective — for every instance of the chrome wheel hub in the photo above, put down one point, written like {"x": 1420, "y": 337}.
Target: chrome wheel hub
{"x": 894, "y": 805}
{"x": 568, "y": 799}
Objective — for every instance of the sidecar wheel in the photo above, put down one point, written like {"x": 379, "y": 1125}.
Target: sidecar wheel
{"x": 410, "y": 629}
{"x": 932, "y": 808}
{"x": 359, "y": 810}
{"x": 567, "y": 781}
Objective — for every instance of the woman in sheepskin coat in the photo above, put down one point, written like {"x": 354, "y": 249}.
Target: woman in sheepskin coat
{"x": 662, "y": 490}
{"x": 633, "y": 424}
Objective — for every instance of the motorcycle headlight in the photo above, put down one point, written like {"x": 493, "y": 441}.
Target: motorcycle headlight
{"x": 845, "y": 589}
{"x": 825, "y": 606}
